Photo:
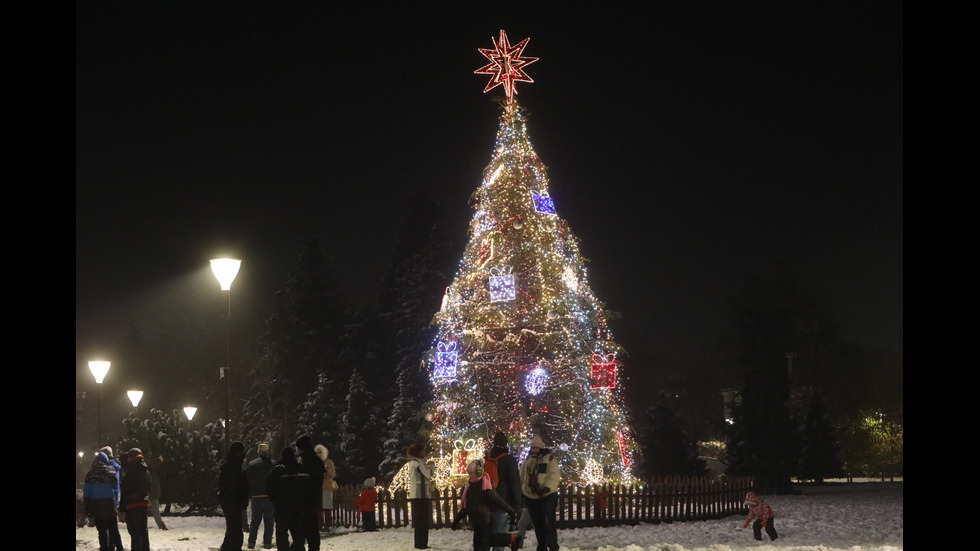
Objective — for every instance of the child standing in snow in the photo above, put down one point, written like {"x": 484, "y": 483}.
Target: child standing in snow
{"x": 365, "y": 504}
{"x": 763, "y": 515}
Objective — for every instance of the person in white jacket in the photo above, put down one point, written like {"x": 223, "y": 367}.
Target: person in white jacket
{"x": 420, "y": 476}
{"x": 540, "y": 477}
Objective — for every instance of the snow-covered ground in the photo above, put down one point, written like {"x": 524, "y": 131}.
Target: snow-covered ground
{"x": 864, "y": 516}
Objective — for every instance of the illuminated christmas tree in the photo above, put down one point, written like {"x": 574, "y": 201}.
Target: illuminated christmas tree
{"x": 523, "y": 345}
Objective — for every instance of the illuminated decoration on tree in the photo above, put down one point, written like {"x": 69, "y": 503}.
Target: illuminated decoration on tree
{"x": 506, "y": 65}
{"x": 537, "y": 381}
{"x": 446, "y": 358}
{"x": 543, "y": 203}
{"x": 603, "y": 371}
{"x": 463, "y": 453}
{"x": 502, "y": 285}
{"x": 526, "y": 343}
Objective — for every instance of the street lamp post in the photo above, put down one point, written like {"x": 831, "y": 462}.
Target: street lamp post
{"x": 99, "y": 369}
{"x": 135, "y": 396}
{"x": 189, "y": 411}
{"x": 225, "y": 270}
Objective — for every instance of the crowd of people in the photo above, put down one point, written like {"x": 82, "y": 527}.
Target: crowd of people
{"x": 292, "y": 498}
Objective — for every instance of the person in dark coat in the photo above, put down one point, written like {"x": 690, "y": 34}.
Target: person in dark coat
{"x": 289, "y": 488}
{"x": 508, "y": 483}
{"x": 233, "y": 496}
{"x": 134, "y": 499}
{"x": 263, "y": 512}
{"x": 100, "y": 493}
{"x": 476, "y": 503}
{"x": 313, "y": 465}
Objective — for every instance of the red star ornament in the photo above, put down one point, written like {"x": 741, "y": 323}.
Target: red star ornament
{"x": 506, "y": 65}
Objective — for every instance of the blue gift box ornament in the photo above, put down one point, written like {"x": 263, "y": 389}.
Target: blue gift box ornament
{"x": 446, "y": 359}
{"x": 543, "y": 203}
{"x": 502, "y": 287}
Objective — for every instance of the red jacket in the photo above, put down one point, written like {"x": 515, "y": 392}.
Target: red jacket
{"x": 757, "y": 507}
{"x": 366, "y": 501}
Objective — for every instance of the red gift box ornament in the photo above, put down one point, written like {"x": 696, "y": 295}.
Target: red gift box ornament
{"x": 604, "y": 371}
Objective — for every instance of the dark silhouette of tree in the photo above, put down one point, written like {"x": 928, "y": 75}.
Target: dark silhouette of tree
{"x": 666, "y": 446}
{"x": 300, "y": 342}
{"x": 819, "y": 441}
{"x": 773, "y": 317}
{"x": 421, "y": 268}
{"x": 362, "y": 429}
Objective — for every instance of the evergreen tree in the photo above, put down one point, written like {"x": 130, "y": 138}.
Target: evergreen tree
{"x": 773, "y": 318}
{"x": 665, "y": 444}
{"x": 819, "y": 453}
{"x": 301, "y": 341}
{"x": 421, "y": 267}
{"x": 362, "y": 430}
{"x": 190, "y": 471}
{"x": 320, "y": 414}
{"x": 523, "y": 344}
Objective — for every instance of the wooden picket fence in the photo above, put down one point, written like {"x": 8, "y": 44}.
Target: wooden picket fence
{"x": 673, "y": 499}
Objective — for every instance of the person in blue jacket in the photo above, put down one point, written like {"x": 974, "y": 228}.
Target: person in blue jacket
{"x": 101, "y": 495}
{"x": 116, "y": 535}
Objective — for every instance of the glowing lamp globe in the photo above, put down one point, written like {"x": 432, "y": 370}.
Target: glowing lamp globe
{"x": 225, "y": 270}
{"x": 189, "y": 411}
{"x": 135, "y": 396}
{"x": 99, "y": 370}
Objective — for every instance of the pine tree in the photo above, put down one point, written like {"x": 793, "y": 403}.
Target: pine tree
{"x": 362, "y": 429}
{"x": 421, "y": 267}
{"x": 667, "y": 448}
{"x": 301, "y": 341}
{"x": 819, "y": 455}
{"x": 523, "y": 344}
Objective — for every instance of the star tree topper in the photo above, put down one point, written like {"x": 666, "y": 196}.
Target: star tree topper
{"x": 506, "y": 65}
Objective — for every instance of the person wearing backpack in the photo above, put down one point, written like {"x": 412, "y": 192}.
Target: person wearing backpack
{"x": 505, "y": 477}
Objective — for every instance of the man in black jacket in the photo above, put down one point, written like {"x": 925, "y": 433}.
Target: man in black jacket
{"x": 289, "y": 488}
{"x": 508, "y": 485}
{"x": 134, "y": 499}
{"x": 233, "y": 496}
{"x": 312, "y": 464}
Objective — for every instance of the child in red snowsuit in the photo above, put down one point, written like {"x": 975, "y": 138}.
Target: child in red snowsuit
{"x": 365, "y": 504}
{"x": 763, "y": 515}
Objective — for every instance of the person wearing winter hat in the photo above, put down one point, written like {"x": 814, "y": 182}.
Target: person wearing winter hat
{"x": 365, "y": 504}
{"x": 263, "y": 511}
{"x": 763, "y": 515}
{"x": 476, "y": 503}
{"x": 101, "y": 496}
{"x": 289, "y": 487}
{"x": 134, "y": 499}
{"x": 508, "y": 483}
{"x": 116, "y": 466}
{"x": 314, "y": 466}
{"x": 233, "y": 496}
{"x": 540, "y": 477}
{"x": 328, "y": 487}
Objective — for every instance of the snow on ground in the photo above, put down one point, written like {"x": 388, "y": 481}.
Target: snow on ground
{"x": 862, "y": 516}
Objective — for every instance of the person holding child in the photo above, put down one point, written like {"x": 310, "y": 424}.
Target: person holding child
{"x": 478, "y": 501}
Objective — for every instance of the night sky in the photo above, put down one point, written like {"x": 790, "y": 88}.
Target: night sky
{"x": 689, "y": 145}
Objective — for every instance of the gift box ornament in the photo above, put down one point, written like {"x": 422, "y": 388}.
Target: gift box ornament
{"x": 446, "y": 359}
{"x": 603, "y": 371}
{"x": 502, "y": 286}
{"x": 543, "y": 203}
